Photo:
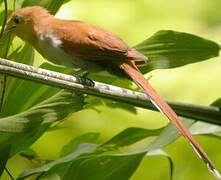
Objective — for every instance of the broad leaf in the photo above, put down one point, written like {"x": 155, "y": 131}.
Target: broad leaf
{"x": 5, "y": 42}
{"x": 2, "y": 16}
{"x": 4, "y": 156}
{"x": 124, "y": 106}
{"x": 169, "y": 49}
{"x": 120, "y": 166}
{"x": 60, "y": 164}
{"x": 22, "y": 95}
{"x": 50, "y": 177}
{"x": 217, "y": 103}
{"x": 103, "y": 164}
{"x": 29, "y": 154}
{"x": 72, "y": 145}
{"x": 167, "y": 136}
{"x": 50, "y": 110}
{"x": 201, "y": 128}
{"x": 99, "y": 162}
{"x": 23, "y": 54}
{"x": 28, "y": 126}
{"x": 159, "y": 152}
{"x": 106, "y": 167}
{"x": 131, "y": 136}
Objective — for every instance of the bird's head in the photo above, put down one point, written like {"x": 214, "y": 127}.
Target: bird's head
{"x": 25, "y": 22}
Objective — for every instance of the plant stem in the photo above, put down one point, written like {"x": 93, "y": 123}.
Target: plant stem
{"x": 5, "y": 56}
{"x": 203, "y": 113}
{"x": 5, "y": 19}
{"x": 3, "y": 92}
{"x": 11, "y": 177}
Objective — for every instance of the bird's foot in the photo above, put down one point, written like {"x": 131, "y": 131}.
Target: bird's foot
{"x": 83, "y": 79}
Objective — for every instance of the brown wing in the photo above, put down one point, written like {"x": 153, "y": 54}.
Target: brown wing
{"x": 90, "y": 42}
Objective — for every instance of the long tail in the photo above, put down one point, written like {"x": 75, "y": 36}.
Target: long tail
{"x": 131, "y": 70}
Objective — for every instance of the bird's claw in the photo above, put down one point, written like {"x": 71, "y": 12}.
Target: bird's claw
{"x": 84, "y": 79}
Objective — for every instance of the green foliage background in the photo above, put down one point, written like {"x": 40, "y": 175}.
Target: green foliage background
{"x": 197, "y": 83}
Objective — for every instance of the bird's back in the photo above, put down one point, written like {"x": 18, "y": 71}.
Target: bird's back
{"x": 89, "y": 42}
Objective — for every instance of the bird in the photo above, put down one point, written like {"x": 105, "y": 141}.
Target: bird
{"x": 79, "y": 45}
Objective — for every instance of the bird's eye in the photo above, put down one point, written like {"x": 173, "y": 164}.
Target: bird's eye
{"x": 17, "y": 19}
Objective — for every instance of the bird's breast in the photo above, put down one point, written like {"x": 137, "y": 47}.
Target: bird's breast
{"x": 50, "y": 47}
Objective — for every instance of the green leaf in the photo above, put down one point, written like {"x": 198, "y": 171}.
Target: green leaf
{"x": 2, "y": 16}
{"x": 24, "y": 140}
{"x": 201, "y": 128}
{"x": 25, "y": 128}
{"x": 104, "y": 163}
{"x": 60, "y": 164}
{"x": 4, "y": 156}
{"x": 109, "y": 166}
{"x": 22, "y": 95}
{"x": 72, "y": 145}
{"x": 29, "y": 154}
{"x": 217, "y": 103}
{"x": 53, "y": 109}
{"x": 167, "y": 136}
{"x": 6, "y": 40}
{"x": 130, "y": 136}
{"x": 95, "y": 101}
{"x": 51, "y": 5}
{"x": 50, "y": 177}
{"x": 124, "y": 106}
{"x": 159, "y": 152}
{"x": 169, "y": 49}
{"x": 5, "y": 43}
{"x": 23, "y": 54}
{"x": 106, "y": 167}
{"x": 98, "y": 160}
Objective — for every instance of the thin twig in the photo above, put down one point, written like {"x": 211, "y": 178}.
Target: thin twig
{"x": 22, "y": 71}
{"x": 5, "y": 19}
{"x": 10, "y": 175}
{"x": 3, "y": 92}
{"x": 5, "y": 78}
{"x": 6, "y": 53}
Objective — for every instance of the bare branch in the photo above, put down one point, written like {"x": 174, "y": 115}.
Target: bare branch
{"x": 203, "y": 113}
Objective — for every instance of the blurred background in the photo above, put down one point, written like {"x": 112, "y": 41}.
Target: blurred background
{"x": 135, "y": 21}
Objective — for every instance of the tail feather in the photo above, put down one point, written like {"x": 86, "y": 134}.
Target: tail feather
{"x": 131, "y": 70}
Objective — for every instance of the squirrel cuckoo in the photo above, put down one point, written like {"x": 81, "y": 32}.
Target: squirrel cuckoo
{"x": 76, "y": 44}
